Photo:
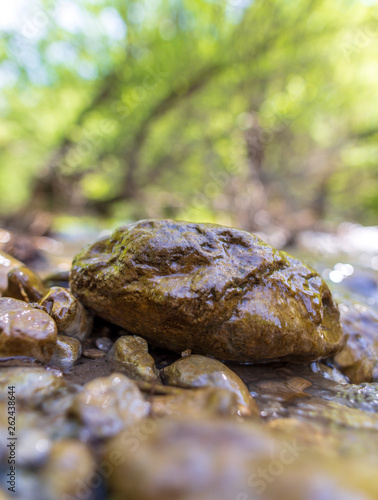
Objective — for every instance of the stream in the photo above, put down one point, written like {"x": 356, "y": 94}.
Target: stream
{"x": 316, "y": 403}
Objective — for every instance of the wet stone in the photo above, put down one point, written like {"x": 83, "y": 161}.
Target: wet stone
{"x": 329, "y": 372}
{"x": 32, "y": 385}
{"x": 200, "y": 371}
{"x": 282, "y": 391}
{"x": 93, "y": 353}
{"x": 67, "y": 352}
{"x": 7, "y": 264}
{"x": 108, "y": 405}
{"x": 71, "y": 317}
{"x": 195, "y": 403}
{"x": 211, "y": 459}
{"x": 24, "y": 284}
{"x": 69, "y": 470}
{"x": 25, "y": 331}
{"x": 104, "y": 344}
{"x": 31, "y": 426}
{"x": 34, "y": 446}
{"x": 212, "y": 289}
{"x": 197, "y": 458}
{"x": 130, "y": 356}
{"x": 358, "y": 360}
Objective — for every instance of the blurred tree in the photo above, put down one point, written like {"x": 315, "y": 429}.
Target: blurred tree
{"x": 251, "y": 113}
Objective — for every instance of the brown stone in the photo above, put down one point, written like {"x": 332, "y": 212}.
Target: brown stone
{"x": 129, "y": 355}
{"x": 24, "y": 284}
{"x": 195, "y": 403}
{"x": 67, "y": 352}
{"x": 25, "y": 331}
{"x": 212, "y": 289}
{"x": 358, "y": 360}
{"x": 93, "y": 353}
{"x": 219, "y": 459}
{"x": 109, "y": 404}
{"x": 70, "y": 316}
{"x": 7, "y": 264}
{"x": 200, "y": 371}
{"x": 18, "y": 281}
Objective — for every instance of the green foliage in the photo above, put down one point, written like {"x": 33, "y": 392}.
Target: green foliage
{"x": 245, "y": 112}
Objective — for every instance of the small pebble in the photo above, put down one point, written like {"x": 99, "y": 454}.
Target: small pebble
{"x": 33, "y": 447}
{"x": 67, "y": 352}
{"x": 69, "y": 470}
{"x": 201, "y": 371}
{"x": 104, "y": 344}
{"x": 93, "y": 353}
{"x": 71, "y": 317}
{"x": 130, "y": 355}
{"x": 109, "y": 404}
{"x": 195, "y": 403}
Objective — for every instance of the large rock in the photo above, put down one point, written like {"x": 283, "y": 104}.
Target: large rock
{"x": 212, "y": 289}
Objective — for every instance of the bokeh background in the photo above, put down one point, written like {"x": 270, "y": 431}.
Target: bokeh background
{"x": 258, "y": 114}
